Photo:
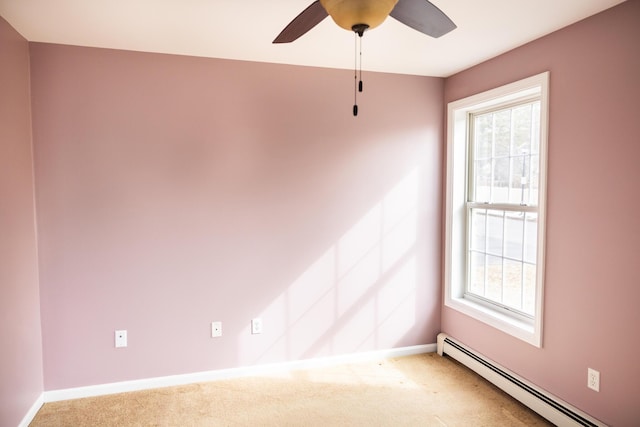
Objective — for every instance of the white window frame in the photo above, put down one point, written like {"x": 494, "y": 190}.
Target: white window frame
{"x": 455, "y": 272}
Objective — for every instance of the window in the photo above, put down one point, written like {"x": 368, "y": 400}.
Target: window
{"x": 496, "y": 180}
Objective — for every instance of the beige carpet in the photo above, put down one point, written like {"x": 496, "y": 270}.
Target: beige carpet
{"x": 422, "y": 390}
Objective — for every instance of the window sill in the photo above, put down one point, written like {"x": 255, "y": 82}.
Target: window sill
{"x": 517, "y": 328}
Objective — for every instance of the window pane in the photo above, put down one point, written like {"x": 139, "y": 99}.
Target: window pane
{"x": 483, "y": 131}
{"x": 531, "y": 237}
{"x": 512, "y": 287}
{"x": 513, "y": 235}
{"x": 493, "y": 289}
{"x": 534, "y": 178}
{"x": 482, "y": 173}
{"x": 502, "y": 130}
{"x": 476, "y": 276}
{"x": 518, "y": 166}
{"x": 529, "y": 289}
{"x": 495, "y": 228}
{"x": 478, "y": 234}
{"x": 535, "y": 128}
{"x": 521, "y": 130}
{"x": 500, "y": 190}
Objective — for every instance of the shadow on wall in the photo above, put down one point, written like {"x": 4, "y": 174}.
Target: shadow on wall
{"x": 359, "y": 295}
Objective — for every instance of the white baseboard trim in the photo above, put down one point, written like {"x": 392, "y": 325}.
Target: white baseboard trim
{"x": 31, "y": 414}
{"x": 176, "y": 380}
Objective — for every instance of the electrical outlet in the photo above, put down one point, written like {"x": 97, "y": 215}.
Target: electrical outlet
{"x": 121, "y": 338}
{"x": 256, "y": 326}
{"x": 593, "y": 379}
{"x": 216, "y": 329}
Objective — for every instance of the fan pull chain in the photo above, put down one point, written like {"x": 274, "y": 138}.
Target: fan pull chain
{"x": 355, "y": 75}
{"x": 357, "y": 67}
{"x": 360, "y": 82}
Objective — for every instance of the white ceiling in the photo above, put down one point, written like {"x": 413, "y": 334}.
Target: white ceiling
{"x": 244, "y": 30}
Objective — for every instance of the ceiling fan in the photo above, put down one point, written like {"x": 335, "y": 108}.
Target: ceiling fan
{"x": 362, "y": 15}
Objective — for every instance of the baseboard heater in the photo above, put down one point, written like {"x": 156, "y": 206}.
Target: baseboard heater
{"x": 550, "y": 407}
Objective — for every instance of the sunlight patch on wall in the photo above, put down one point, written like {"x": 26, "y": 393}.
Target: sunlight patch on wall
{"x": 359, "y": 295}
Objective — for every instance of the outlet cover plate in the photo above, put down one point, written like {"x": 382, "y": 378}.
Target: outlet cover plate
{"x": 593, "y": 379}
{"x": 216, "y": 329}
{"x": 121, "y": 338}
{"x": 256, "y": 326}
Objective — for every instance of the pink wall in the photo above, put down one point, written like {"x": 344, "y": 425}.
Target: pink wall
{"x": 175, "y": 191}
{"x": 20, "y": 334}
{"x": 593, "y": 236}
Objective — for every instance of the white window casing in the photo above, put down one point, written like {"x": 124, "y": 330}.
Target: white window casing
{"x": 459, "y": 113}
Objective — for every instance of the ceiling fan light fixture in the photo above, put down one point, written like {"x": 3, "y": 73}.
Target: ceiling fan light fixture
{"x": 361, "y": 15}
{"x": 350, "y": 13}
